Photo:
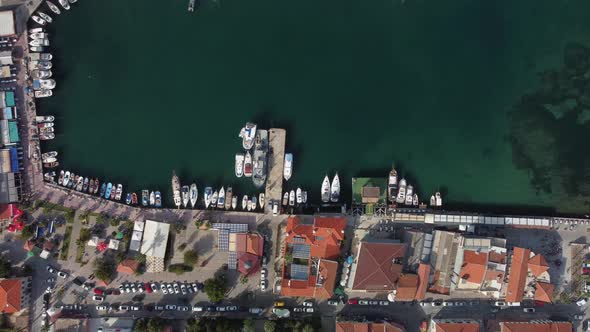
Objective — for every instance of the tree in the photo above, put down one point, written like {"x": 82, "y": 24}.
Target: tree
{"x": 270, "y": 326}
{"x": 84, "y": 235}
{"x": 249, "y": 325}
{"x": 5, "y": 267}
{"x": 103, "y": 269}
{"x": 27, "y": 232}
{"x": 191, "y": 257}
{"x": 215, "y": 289}
{"x": 308, "y": 328}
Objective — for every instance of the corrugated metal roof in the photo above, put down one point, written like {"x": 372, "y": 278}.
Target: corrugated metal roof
{"x": 7, "y": 23}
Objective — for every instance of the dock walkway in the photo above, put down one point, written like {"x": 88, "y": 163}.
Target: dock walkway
{"x": 276, "y": 159}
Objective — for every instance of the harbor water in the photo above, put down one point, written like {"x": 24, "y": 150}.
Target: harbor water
{"x": 144, "y": 87}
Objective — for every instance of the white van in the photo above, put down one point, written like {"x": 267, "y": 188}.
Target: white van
{"x": 197, "y": 309}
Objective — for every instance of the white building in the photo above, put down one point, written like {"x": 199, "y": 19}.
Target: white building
{"x": 155, "y": 239}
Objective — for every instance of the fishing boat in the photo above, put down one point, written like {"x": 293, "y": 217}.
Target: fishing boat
{"x": 145, "y": 197}
{"x": 244, "y": 202}
{"x": 335, "y": 189}
{"x": 91, "y": 186}
{"x": 96, "y": 183}
{"x": 299, "y": 196}
{"x": 46, "y": 118}
{"x": 248, "y": 165}
{"x": 409, "y": 194}
{"x": 292, "y": 198}
{"x": 239, "y": 165}
{"x": 214, "y": 199}
{"x": 326, "y": 189}
{"x": 85, "y": 185}
{"x": 38, "y": 20}
{"x": 285, "y": 198}
{"x": 119, "y": 194}
{"x": 80, "y": 183}
{"x": 109, "y": 190}
{"x": 43, "y": 93}
{"x": 207, "y": 196}
{"x": 51, "y": 164}
{"x": 221, "y": 199}
{"x": 194, "y": 194}
{"x": 228, "y": 197}
{"x": 185, "y": 195}
{"x": 60, "y": 179}
{"x": 248, "y": 133}
{"x": 253, "y": 203}
{"x": 66, "y": 179}
{"x": 128, "y": 199}
{"x": 438, "y": 199}
{"x": 134, "y": 198}
{"x": 176, "y": 190}
{"x": 103, "y": 189}
{"x": 50, "y": 154}
{"x": 259, "y": 158}
{"x": 432, "y": 201}
{"x": 288, "y": 167}
{"x": 304, "y": 197}
{"x": 234, "y": 202}
{"x": 152, "y": 198}
{"x": 53, "y": 7}
{"x": 46, "y": 17}
{"x": 261, "y": 200}
{"x": 249, "y": 204}
{"x": 392, "y": 185}
{"x": 158, "y": 202}
{"x": 415, "y": 200}
{"x": 401, "y": 192}
{"x": 65, "y": 4}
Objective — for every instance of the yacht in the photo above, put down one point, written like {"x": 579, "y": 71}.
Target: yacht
{"x": 259, "y": 158}
{"x": 96, "y": 184}
{"x": 50, "y": 154}
{"x": 60, "y": 180}
{"x": 207, "y": 196}
{"x": 304, "y": 197}
{"x": 248, "y": 133}
{"x": 43, "y": 93}
{"x": 176, "y": 190}
{"x": 299, "y": 196}
{"x": 158, "y": 202}
{"x": 261, "y": 200}
{"x": 38, "y": 73}
{"x": 38, "y": 35}
{"x": 46, "y": 130}
{"x": 46, "y": 136}
{"x": 288, "y": 167}
{"x": 185, "y": 195}
{"x": 73, "y": 1}
{"x": 438, "y": 199}
{"x": 221, "y": 199}
{"x": 47, "y": 118}
{"x": 253, "y": 203}
{"x": 103, "y": 188}
{"x": 46, "y": 17}
{"x": 45, "y": 56}
{"x": 39, "y": 42}
{"x": 392, "y": 185}
{"x": 47, "y": 84}
{"x": 53, "y": 7}
{"x": 85, "y": 185}
{"x": 409, "y": 194}
{"x": 292, "y": 198}
{"x": 194, "y": 194}
{"x": 38, "y": 20}
{"x": 228, "y": 197}
{"x": 128, "y": 199}
{"x": 326, "y": 189}
{"x": 249, "y": 205}
{"x": 65, "y": 4}
{"x": 335, "y": 189}
{"x": 119, "y": 193}
{"x": 234, "y": 202}
{"x": 415, "y": 200}
{"x": 152, "y": 198}
{"x": 432, "y": 201}
{"x": 239, "y": 165}
{"x": 248, "y": 164}
{"x": 401, "y": 192}
{"x": 36, "y": 49}
{"x": 80, "y": 183}
{"x": 285, "y": 198}
{"x": 145, "y": 197}
{"x": 244, "y": 202}
{"x": 109, "y": 190}
{"x": 36, "y": 30}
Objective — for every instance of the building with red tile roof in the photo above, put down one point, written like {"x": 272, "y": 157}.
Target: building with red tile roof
{"x": 248, "y": 248}
{"x": 369, "y": 327}
{"x": 378, "y": 266}
{"x": 14, "y": 294}
{"x": 536, "y": 326}
{"x": 455, "y": 325}
{"x": 310, "y": 251}
{"x": 473, "y": 269}
{"x": 544, "y": 292}
{"x": 407, "y": 287}
{"x": 528, "y": 277}
{"x": 248, "y": 263}
{"x": 517, "y": 274}
{"x": 538, "y": 265}
{"x": 128, "y": 266}
{"x": 423, "y": 276}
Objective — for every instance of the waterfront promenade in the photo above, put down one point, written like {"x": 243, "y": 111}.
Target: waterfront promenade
{"x": 276, "y": 160}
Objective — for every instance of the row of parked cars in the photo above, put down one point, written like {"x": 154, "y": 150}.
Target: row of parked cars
{"x": 173, "y": 307}
{"x": 165, "y": 288}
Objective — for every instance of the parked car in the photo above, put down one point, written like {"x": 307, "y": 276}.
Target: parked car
{"x": 98, "y": 298}
{"x": 170, "y": 307}
{"x": 194, "y": 286}
{"x": 581, "y": 302}
{"x": 124, "y": 308}
{"x": 183, "y": 289}
{"x": 373, "y": 302}
{"x": 384, "y": 303}
{"x": 102, "y": 307}
{"x": 154, "y": 287}
{"x": 263, "y": 273}
{"x": 140, "y": 288}
{"x": 307, "y": 303}
{"x": 135, "y": 307}
{"x": 279, "y": 304}
{"x": 437, "y": 303}
{"x": 158, "y": 307}
{"x": 578, "y": 317}
{"x": 197, "y": 309}
{"x": 98, "y": 291}
{"x": 364, "y": 302}
{"x": 220, "y": 309}
{"x": 211, "y": 308}
{"x": 447, "y": 304}
{"x": 500, "y": 303}
{"x": 353, "y": 301}
{"x": 298, "y": 309}
{"x": 256, "y": 311}
{"x": 332, "y": 302}
{"x": 263, "y": 285}
{"x": 182, "y": 308}
{"x": 163, "y": 289}
{"x": 50, "y": 269}
{"x": 528, "y": 310}
{"x": 275, "y": 208}
{"x": 62, "y": 274}
{"x": 148, "y": 288}
{"x": 176, "y": 288}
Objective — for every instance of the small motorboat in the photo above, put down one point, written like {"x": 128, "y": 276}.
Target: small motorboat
{"x": 145, "y": 197}
{"x": 221, "y": 199}
{"x": 292, "y": 198}
{"x": 85, "y": 185}
{"x": 43, "y": 64}
{"x": 91, "y": 186}
{"x": 245, "y": 202}
{"x": 119, "y": 193}
{"x": 38, "y": 20}
{"x": 38, "y": 74}
{"x": 304, "y": 197}
{"x": 46, "y": 137}
{"x": 234, "y": 202}
{"x": 409, "y": 194}
{"x": 73, "y": 1}
{"x": 158, "y": 199}
{"x": 46, "y": 130}
{"x": 261, "y": 200}
{"x": 60, "y": 180}
{"x": 39, "y": 42}
{"x": 415, "y": 200}
{"x": 249, "y": 205}
{"x": 207, "y": 196}
{"x": 80, "y": 184}
{"x": 214, "y": 199}
{"x": 134, "y": 198}
{"x": 326, "y": 189}
{"x": 66, "y": 179}
{"x": 108, "y": 191}
{"x": 38, "y": 35}
{"x": 184, "y": 190}
{"x": 51, "y": 164}
{"x": 46, "y": 17}
{"x": 45, "y": 56}
{"x": 194, "y": 194}
{"x": 49, "y": 176}
{"x": 45, "y": 125}
{"x": 73, "y": 180}
{"x": 103, "y": 189}
{"x": 248, "y": 165}
{"x": 438, "y": 199}
{"x": 36, "y": 48}
{"x": 43, "y": 93}
{"x": 288, "y": 167}
{"x": 49, "y": 159}
{"x": 65, "y": 4}
{"x": 299, "y": 196}
{"x": 152, "y": 198}
{"x": 128, "y": 199}
{"x": 50, "y": 154}
{"x": 47, "y": 84}
{"x": 286, "y": 198}
{"x": 96, "y": 183}
{"x": 36, "y": 30}
{"x": 53, "y": 7}
{"x": 47, "y": 118}
{"x": 239, "y": 165}
{"x": 253, "y": 202}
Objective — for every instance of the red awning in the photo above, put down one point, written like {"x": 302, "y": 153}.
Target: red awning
{"x": 11, "y": 228}
{"x": 101, "y": 246}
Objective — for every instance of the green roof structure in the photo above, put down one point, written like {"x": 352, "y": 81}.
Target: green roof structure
{"x": 13, "y": 132}
{"x": 9, "y": 99}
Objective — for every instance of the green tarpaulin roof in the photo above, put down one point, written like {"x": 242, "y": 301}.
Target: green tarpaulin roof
{"x": 9, "y": 98}
{"x": 13, "y": 132}
{"x": 119, "y": 235}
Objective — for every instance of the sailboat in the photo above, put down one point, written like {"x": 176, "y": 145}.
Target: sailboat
{"x": 185, "y": 197}
{"x": 53, "y": 7}
{"x": 176, "y": 190}
{"x": 299, "y": 196}
{"x": 152, "y": 198}
{"x": 207, "y": 196}
{"x": 288, "y": 167}
{"x": 409, "y": 194}
{"x": 326, "y": 189}
{"x": 438, "y": 199}
{"x": 228, "y": 197}
{"x": 248, "y": 165}
{"x": 234, "y": 202}
{"x": 221, "y": 198}
{"x": 261, "y": 200}
{"x": 392, "y": 185}
{"x": 239, "y": 165}
{"x": 244, "y": 202}
{"x": 194, "y": 194}
{"x": 292, "y": 198}
{"x": 401, "y": 192}
{"x": 335, "y": 189}
{"x": 285, "y": 198}
{"x": 214, "y": 199}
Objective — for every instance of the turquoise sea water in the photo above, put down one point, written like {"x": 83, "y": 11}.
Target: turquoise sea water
{"x": 145, "y": 87}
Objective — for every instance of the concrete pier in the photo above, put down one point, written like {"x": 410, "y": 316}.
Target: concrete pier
{"x": 276, "y": 159}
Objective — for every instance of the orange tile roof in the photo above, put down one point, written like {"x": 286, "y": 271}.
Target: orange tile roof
{"x": 436, "y": 288}
{"x": 497, "y": 257}
{"x": 544, "y": 292}
{"x": 254, "y": 244}
{"x": 29, "y": 245}
{"x": 494, "y": 275}
{"x": 376, "y": 270}
{"x": 456, "y": 327}
{"x": 474, "y": 266}
{"x": 423, "y": 276}
{"x": 241, "y": 239}
{"x": 326, "y": 273}
{"x": 517, "y": 274}
{"x": 538, "y": 265}
{"x": 5, "y": 211}
{"x": 369, "y": 327}
{"x": 310, "y": 288}
{"x": 407, "y": 286}
{"x": 128, "y": 266}
{"x": 10, "y": 295}
{"x": 536, "y": 326}
{"x": 324, "y": 237}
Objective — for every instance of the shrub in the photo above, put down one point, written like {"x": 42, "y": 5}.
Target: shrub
{"x": 215, "y": 289}
{"x": 191, "y": 257}
{"x": 179, "y": 268}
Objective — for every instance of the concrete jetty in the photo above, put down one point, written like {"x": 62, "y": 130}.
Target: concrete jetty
{"x": 276, "y": 160}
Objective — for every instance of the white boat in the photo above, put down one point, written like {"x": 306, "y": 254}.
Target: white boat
{"x": 65, "y": 4}
{"x": 221, "y": 198}
{"x": 234, "y": 202}
{"x": 46, "y": 17}
{"x": 46, "y": 137}
{"x": 39, "y": 73}
{"x": 152, "y": 198}
{"x": 248, "y": 133}
{"x": 119, "y": 193}
{"x": 253, "y": 203}
{"x": 194, "y": 194}
{"x": 39, "y": 35}
{"x": 261, "y": 200}
{"x": 60, "y": 180}
{"x": 286, "y": 198}
{"x": 39, "y": 42}
{"x": 50, "y": 154}
{"x": 292, "y": 198}
{"x": 36, "y": 49}
{"x": 73, "y": 1}
{"x": 335, "y": 189}
{"x": 43, "y": 93}
{"x": 304, "y": 197}
{"x": 415, "y": 200}
{"x": 45, "y": 56}
{"x": 288, "y": 168}
{"x": 401, "y": 192}
{"x": 214, "y": 199}
{"x": 39, "y": 20}
{"x": 42, "y": 64}
{"x": 47, "y": 84}
{"x": 409, "y": 195}
{"x": 185, "y": 195}
{"x": 392, "y": 185}
{"x": 46, "y": 130}
{"x": 207, "y": 196}
{"x": 326, "y": 189}
{"x": 36, "y": 30}
{"x": 53, "y": 7}
{"x": 239, "y": 164}
{"x": 244, "y": 202}
{"x": 248, "y": 165}
{"x": 299, "y": 196}
{"x": 438, "y": 199}
{"x": 46, "y": 118}
{"x": 66, "y": 179}
{"x": 228, "y": 197}
{"x": 176, "y": 190}
{"x": 432, "y": 201}
{"x": 249, "y": 205}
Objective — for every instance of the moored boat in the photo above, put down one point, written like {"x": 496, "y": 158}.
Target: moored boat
{"x": 239, "y": 164}
{"x": 60, "y": 179}
{"x": 46, "y": 118}
{"x": 260, "y": 158}
{"x": 185, "y": 195}
{"x": 304, "y": 197}
{"x": 113, "y": 192}
{"x": 51, "y": 164}
{"x": 244, "y": 202}
{"x": 176, "y": 190}
{"x": 45, "y": 125}
{"x": 38, "y": 20}
{"x": 158, "y": 202}
{"x": 415, "y": 200}
{"x": 108, "y": 191}
{"x": 36, "y": 30}
{"x": 39, "y": 73}
{"x": 248, "y": 133}
{"x": 119, "y": 194}
{"x": 103, "y": 189}
{"x": 194, "y": 194}
{"x": 53, "y": 7}
{"x": 80, "y": 183}
{"x": 66, "y": 179}
{"x": 48, "y": 130}
{"x": 292, "y": 198}
{"x": 152, "y": 198}
{"x": 91, "y": 186}
{"x": 285, "y": 198}
{"x": 50, "y": 154}
{"x": 73, "y": 180}
{"x": 409, "y": 194}
{"x": 432, "y": 201}
{"x": 221, "y": 199}
{"x": 326, "y": 189}
{"x": 39, "y": 42}
{"x": 299, "y": 196}
{"x": 248, "y": 164}
{"x": 43, "y": 93}
{"x": 207, "y": 196}
{"x": 401, "y": 192}
{"x": 134, "y": 198}
{"x": 85, "y": 185}
{"x": 214, "y": 199}
{"x": 38, "y": 35}
{"x": 335, "y": 189}
{"x": 392, "y": 185}
{"x": 253, "y": 203}
{"x": 65, "y": 4}
{"x": 46, "y": 17}
{"x": 288, "y": 167}
{"x": 145, "y": 197}
{"x": 438, "y": 199}
{"x": 96, "y": 183}
{"x": 249, "y": 204}
{"x": 261, "y": 200}
{"x": 73, "y": 1}
{"x": 128, "y": 199}
{"x": 228, "y": 197}
{"x": 234, "y": 202}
